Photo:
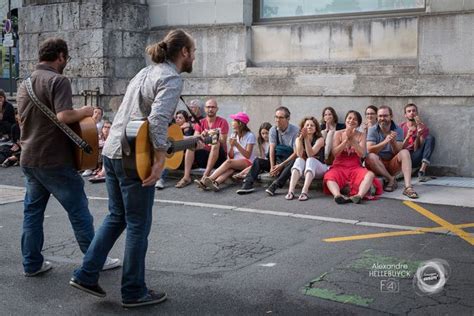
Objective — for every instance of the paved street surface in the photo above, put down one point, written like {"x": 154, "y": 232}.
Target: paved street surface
{"x": 225, "y": 254}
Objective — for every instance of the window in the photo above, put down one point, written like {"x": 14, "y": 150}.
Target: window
{"x": 268, "y": 10}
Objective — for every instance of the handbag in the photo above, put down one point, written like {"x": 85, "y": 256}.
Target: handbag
{"x": 282, "y": 152}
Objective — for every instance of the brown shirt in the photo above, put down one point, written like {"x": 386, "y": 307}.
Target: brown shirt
{"x": 43, "y": 144}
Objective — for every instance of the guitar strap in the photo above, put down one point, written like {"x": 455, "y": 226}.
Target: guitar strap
{"x": 192, "y": 113}
{"x": 82, "y": 144}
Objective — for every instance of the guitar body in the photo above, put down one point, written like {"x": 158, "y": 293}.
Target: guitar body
{"x": 87, "y": 130}
{"x": 138, "y": 163}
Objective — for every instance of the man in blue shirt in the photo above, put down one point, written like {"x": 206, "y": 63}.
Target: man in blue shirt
{"x": 386, "y": 154}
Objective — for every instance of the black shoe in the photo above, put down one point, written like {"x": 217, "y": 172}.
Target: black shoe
{"x": 246, "y": 188}
{"x": 151, "y": 298}
{"x": 95, "y": 290}
{"x": 271, "y": 189}
{"x": 422, "y": 177}
{"x": 341, "y": 199}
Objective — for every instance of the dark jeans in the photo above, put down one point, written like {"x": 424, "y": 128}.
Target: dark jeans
{"x": 260, "y": 165}
{"x": 130, "y": 208}
{"x": 423, "y": 154}
{"x": 67, "y": 186}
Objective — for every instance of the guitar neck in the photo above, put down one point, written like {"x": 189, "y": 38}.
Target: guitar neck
{"x": 188, "y": 143}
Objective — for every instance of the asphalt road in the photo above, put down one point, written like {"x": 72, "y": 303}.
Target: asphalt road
{"x": 221, "y": 253}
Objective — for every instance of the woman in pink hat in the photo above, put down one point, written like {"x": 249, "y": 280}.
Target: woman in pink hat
{"x": 240, "y": 153}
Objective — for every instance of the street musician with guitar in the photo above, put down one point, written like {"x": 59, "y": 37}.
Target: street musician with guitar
{"x": 152, "y": 94}
{"x": 48, "y": 157}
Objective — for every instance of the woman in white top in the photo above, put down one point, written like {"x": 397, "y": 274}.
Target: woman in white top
{"x": 309, "y": 148}
{"x": 240, "y": 152}
{"x": 263, "y": 143}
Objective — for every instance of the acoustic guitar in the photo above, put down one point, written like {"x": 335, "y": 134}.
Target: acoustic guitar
{"x": 137, "y": 162}
{"x": 87, "y": 130}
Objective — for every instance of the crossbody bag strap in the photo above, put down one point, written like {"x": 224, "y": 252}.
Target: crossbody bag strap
{"x": 82, "y": 144}
{"x": 192, "y": 113}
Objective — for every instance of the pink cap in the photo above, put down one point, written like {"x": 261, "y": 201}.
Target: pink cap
{"x": 241, "y": 116}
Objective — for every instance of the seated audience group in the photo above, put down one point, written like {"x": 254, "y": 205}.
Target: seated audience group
{"x": 350, "y": 157}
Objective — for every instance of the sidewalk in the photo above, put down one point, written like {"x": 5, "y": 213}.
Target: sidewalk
{"x": 455, "y": 191}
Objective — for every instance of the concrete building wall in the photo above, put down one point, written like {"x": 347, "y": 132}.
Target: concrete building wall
{"x": 348, "y": 63}
{"x": 423, "y": 57}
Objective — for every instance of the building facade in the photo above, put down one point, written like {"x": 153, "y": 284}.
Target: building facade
{"x": 256, "y": 55}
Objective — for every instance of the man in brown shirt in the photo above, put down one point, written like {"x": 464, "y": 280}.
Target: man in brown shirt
{"x": 47, "y": 157}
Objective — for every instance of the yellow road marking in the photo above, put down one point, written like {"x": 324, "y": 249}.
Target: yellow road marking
{"x": 435, "y": 218}
{"x": 420, "y": 231}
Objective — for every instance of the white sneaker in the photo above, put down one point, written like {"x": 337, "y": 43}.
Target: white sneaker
{"x": 46, "y": 266}
{"x": 160, "y": 184}
{"x": 87, "y": 172}
{"x": 111, "y": 263}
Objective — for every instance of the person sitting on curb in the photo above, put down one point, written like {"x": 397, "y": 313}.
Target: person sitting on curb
{"x": 348, "y": 149}
{"x": 7, "y": 117}
{"x": 206, "y": 156}
{"x": 197, "y": 107}
{"x": 417, "y": 141}
{"x": 99, "y": 173}
{"x": 386, "y": 154}
{"x": 329, "y": 125}
{"x": 309, "y": 148}
{"x": 370, "y": 119}
{"x": 281, "y": 154}
{"x": 263, "y": 144}
{"x": 240, "y": 152}
{"x": 182, "y": 119}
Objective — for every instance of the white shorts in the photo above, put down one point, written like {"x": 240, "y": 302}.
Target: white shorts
{"x": 313, "y": 165}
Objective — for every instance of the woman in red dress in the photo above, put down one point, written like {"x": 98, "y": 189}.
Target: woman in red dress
{"x": 349, "y": 146}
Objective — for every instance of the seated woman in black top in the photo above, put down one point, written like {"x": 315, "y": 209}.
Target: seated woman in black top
{"x": 329, "y": 126}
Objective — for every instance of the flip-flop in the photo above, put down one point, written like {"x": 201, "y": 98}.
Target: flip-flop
{"x": 182, "y": 183}
{"x": 303, "y": 197}
{"x": 290, "y": 196}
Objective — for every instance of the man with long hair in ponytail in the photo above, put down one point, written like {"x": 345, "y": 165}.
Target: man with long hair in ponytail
{"x": 153, "y": 93}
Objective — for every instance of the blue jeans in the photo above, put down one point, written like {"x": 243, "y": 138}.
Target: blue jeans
{"x": 423, "y": 154}
{"x": 130, "y": 208}
{"x": 67, "y": 186}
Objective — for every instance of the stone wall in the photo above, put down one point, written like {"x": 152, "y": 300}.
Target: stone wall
{"x": 420, "y": 57}
{"x": 425, "y": 58}
{"x": 106, "y": 41}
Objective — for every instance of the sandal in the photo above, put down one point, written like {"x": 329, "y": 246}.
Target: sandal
{"x": 182, "y": 183}
{"x": 201, "y": 184}
{"x": 209, "y": 183}
{"x": 290, "y": 196}
{"x": 390, "y": 187}
{"x": 238, "y": 177}
{"x": 303, "y": 197}
{"x": 410, "y": 193}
